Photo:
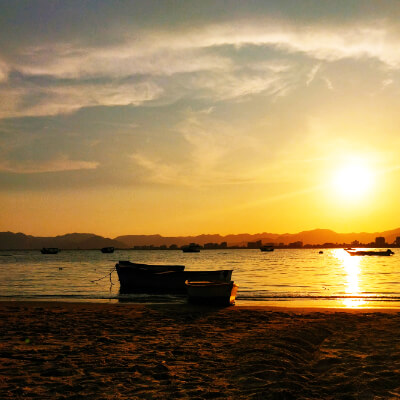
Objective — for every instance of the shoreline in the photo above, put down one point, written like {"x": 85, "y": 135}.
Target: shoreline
{"x": 187, "y": 307}
{"x": 336, "y": 304}
{"x": 71, "y": 350}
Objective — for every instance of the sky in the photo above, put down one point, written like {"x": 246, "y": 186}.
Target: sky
{"x": 190, "y": 117}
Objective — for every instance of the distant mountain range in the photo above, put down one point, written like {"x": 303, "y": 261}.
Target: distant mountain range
{"x": 20, "y": 241}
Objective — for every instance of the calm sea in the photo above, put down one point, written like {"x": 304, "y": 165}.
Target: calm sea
{"x": 286, "y": 277}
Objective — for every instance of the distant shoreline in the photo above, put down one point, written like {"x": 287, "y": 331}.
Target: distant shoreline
{"x": 317, "y": 238}
{"x": 154, "y": 248}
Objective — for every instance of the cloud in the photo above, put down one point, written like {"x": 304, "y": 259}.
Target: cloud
{"x": 312, "y": 74}
{"x": 387, "y": 82}
{"x": 62, "y": 60}
{"x": 328, "y": 83}
{"x": 4, "y": 70}
{"x": 170, "y": 52}
{"x": 228, "y": 86}
{"x": 53, "y": 100}
{"x": 216, "y": 154}
{"x": 158, "y": 171}
{"x": 56, "y": 165}
{"x": 323, "y": 43}
{"x": 203, "y": 62}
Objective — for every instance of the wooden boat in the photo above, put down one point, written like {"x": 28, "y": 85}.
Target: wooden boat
{"x": 267, "y": 248}
{"x": 212, "y": 292}
{"x": 387, "y": 252}
{"x": 107, "y": 249}
{"x": 49, "y": 250}
{"x": 145, "y": 278}
{"x": 191, "y": 248}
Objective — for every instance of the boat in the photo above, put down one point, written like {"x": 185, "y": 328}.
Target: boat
{"x": 387, "y": 252}
{"x": 145, "y": 278}
{"x": 49, "y": 250}
{"x": 212, "y": 292}
{"x": 191, "y": 248}
{"x": 267, "y": 248}
{"x": 107, "y": 249}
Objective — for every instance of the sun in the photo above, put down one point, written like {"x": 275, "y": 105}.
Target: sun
{"x": 353, "y": 181}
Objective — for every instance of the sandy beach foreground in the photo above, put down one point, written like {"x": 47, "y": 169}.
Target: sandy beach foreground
{"x": 125, "y": 351}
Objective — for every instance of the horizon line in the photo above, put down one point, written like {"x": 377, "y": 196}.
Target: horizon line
{"x": 208, "y": 234}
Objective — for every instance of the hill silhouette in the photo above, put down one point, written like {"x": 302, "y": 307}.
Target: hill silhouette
{"x": 14, "y": 241}
{"x": 20, "y": 241}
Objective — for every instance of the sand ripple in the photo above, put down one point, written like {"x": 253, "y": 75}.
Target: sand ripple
{"x": 104, "y": 351}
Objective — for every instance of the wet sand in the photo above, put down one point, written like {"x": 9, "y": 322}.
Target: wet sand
{"x": 51, "y": 350}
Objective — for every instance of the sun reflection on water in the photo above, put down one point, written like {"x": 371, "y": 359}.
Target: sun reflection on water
{"x": 351, "y": 266}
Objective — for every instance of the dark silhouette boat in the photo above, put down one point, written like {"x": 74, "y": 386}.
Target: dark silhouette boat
{"x": 212, "y": 293}
{"x": 109, "y": 249}
{"x": 267, "y": 248}
{"x": 145, "y": 278}
{"x": 387, "y": 252}
{"x": 50, "y": 250}
{"x": 191, "y": 248}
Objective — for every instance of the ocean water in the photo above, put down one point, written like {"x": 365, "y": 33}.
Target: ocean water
{"x": 284, "y": 277}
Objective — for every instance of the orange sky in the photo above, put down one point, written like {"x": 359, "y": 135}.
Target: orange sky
{"x": 209, "y": 118}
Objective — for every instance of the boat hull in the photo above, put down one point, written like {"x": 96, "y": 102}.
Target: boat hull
{"x": 212, "y": 293}
{"x": 142, "y": 280}
{"x": 266, "y": 248}
{"x": 49, "y": 250}
{"x": 386, "y": 253}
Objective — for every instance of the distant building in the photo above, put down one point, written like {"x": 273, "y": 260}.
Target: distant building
{"x": 254, "y": 245}
{"x": 355, "y": 243}
{"x": 224, "y": 245}
{"x": 296, "y": 244}
{"x": 211, "y": 245}
{"x": 380, "y": 241}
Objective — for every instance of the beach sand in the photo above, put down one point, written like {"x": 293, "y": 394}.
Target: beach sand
{"x": 52, "y": 350}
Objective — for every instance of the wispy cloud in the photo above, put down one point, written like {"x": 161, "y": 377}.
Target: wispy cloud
{"x": 386, "y": 83}
{"x": 311, "y": 75}
{"x": 328, "y": 83}
{"x": 137, "y": 57}
{"x": 168, "y": 52}
{"x": 143, "y": 66}
{"x": 228, "y": 86}
{"x": 216, "y": 154}
{"x": 56, "y": 165}
{"x": 4, "y": 69}
{"x": 158, "y": 171}
{"x": 53, "y": 100}
{"x": 323, "y": 43}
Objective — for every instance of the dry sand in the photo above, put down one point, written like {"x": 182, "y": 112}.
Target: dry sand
{"x": 125, "y": 351}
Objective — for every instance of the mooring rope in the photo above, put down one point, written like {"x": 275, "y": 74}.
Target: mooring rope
{"x": 105, "y": 276}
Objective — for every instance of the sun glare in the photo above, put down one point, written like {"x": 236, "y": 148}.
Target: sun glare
{"x": 353, "y": 181}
